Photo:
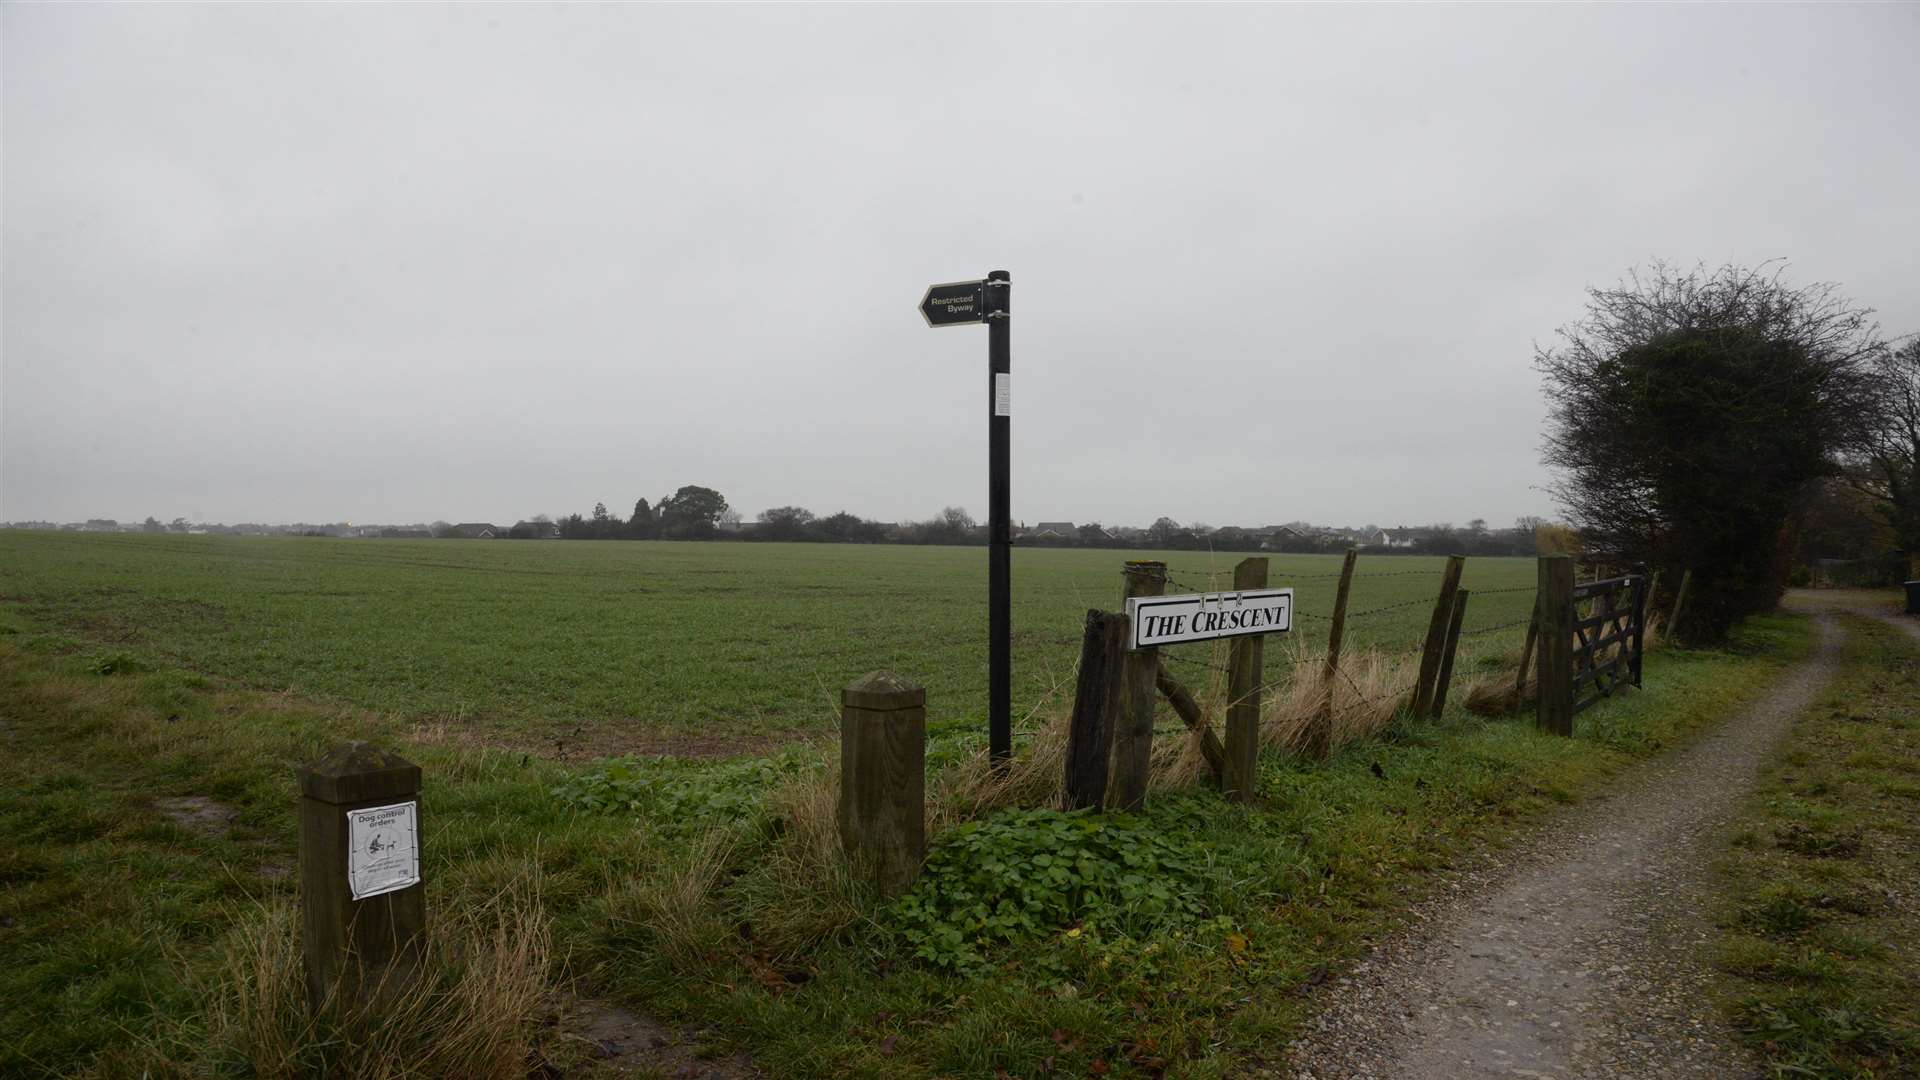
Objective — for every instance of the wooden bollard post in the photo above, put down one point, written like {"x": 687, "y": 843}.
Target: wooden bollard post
{"x": 1452, "y": 647}
{"x": 1245, "y": 663}
{"x": 363, "y": 905}
{"x": 1133, "y": 739}
{"x": 883, "y": 779}
{"x": 1096, "y": 706}
{"x": 1553, "y": 683}
{"x": 1436, "y": 639}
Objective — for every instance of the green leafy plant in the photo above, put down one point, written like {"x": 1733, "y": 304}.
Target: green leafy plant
{"x": 1026, "y": 873}
{"x": 681, "y": 798}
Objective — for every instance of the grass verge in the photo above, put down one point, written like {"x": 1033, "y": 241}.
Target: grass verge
{"x": 1820, "y": 944}
{"x": 148, "y": 821}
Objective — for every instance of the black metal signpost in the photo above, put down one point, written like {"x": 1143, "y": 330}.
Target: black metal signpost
{"x": 956, "y": 304}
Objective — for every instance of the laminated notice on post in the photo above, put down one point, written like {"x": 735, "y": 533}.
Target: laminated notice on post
{"x": 1002, "y": 394}
{"x": 383, "y": 849}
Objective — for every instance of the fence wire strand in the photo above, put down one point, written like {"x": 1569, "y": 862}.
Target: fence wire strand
{"x": 1496, "y": 626}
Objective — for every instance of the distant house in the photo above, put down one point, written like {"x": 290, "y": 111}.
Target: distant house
{"x": 1057, "y": 530}
{"x": 1404, "y": 538}
{"x": 476, "y": 530}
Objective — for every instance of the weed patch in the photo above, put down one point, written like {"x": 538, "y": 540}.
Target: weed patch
{"x": 1022, "y": 874}
{"x": 118, "y": 663}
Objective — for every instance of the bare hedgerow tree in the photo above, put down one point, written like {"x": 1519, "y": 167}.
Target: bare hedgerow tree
{"x": 1887, "y": 468}
{"x": 1687, "y": 410}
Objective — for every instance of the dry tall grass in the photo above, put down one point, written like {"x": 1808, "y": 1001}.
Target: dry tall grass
{"x": 671, "y": 912}
{"x": 1312, "y": 714}
{"x": 467, "y": 1008}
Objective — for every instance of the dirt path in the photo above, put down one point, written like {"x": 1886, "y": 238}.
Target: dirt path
{"x": 1581, "y": 955}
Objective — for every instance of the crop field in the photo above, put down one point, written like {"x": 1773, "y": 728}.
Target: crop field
{"x": 610, "y": 646}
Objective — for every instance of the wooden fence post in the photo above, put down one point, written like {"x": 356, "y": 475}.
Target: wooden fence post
{"x": 1526, "y": 651}
{"x": 1096, "y": 702}
{"x": 1641, "y": 589}
{"x": 1679, "y": 604}
{"x": 1133, "y": 741}
{"x": 1436, "y": 639}
{"x": 1319, "y": 734}
{"x": 883, "y": 779}
{"x": 363, "y": 906}
{"x": 1553, "y": 684}
{"x": 1245, "y": 657}
{"x": 1338, "y": 633}
{"x": 1453, "y": 645}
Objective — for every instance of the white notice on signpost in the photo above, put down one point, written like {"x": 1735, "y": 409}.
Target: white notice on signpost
{"x": 1002, "y": 394}
{"x": 383, "y": 849}
{"x": 1169, "y": 620}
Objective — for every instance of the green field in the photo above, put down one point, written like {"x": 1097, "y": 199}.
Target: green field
{"x": 605, "y": 645}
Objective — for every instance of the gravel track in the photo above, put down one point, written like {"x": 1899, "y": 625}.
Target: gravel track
{"x": 1580, "y": 953}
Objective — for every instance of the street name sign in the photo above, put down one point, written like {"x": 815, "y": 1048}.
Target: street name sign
{"x": 956, "y": 303}
{"x": 1169, "y": 620}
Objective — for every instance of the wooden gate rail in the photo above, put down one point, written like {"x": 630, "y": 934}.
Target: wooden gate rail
{"x": 1584, "y": 658}
{"x": 1617, "y": 625}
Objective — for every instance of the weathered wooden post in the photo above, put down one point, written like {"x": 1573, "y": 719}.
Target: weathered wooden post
{"x": 883, "y": 779}
{"x": 1245, "y": 661}
{"x": 1436, "y": 640}
{"x": 1319, "y": 740}
{"x": 1453, "y": 645}
{"x": 363, "y": 905}
{"x": 1133, "y": 740}
{"x": 1679, "y": 605}
{"x": 1096, "y": 705}
{"x": 1526, "y": 651}
{"x": 1553, "y": 683}
{"x": 1337, "y": 635}
{"x": 1641, "y": 588}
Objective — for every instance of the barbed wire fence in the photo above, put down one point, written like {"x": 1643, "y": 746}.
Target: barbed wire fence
{"x": 1343, "y": 691}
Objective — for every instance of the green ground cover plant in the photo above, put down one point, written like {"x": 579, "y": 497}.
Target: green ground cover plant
{"x": 148, "y": 817}
{"x": 1023, "y": 874}
{"x": 1820, "y": 941}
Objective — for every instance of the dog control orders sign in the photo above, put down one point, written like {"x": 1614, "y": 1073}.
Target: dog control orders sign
{"x": 1169, "y": 620}
{"x": 383, "y": 849}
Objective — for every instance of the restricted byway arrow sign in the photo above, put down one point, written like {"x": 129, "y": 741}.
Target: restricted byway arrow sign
{"x": 1168, "y": 620}
{"x": 955, "y": 303}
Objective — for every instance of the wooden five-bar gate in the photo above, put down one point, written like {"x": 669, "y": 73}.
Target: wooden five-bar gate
{"x": 1592, "y": 638}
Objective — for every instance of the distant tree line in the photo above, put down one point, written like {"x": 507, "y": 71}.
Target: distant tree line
{"x": 701, "y": 513}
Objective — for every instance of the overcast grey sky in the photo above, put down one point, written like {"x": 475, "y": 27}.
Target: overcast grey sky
{"x": 377, "y": 264}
